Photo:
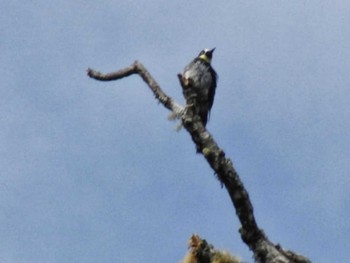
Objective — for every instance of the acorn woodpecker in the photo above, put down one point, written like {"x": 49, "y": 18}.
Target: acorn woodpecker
{"x": 200, "y": 78}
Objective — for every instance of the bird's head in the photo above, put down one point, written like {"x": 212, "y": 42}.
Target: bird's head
{"x": 206, "y": 55}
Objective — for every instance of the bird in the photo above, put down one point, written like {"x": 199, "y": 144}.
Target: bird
{"x": 200, "y": 78}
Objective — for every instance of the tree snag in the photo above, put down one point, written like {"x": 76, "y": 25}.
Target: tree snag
{"x": 257, "y": 241}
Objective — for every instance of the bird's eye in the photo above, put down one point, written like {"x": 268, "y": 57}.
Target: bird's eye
{"x": 208, "y": 54}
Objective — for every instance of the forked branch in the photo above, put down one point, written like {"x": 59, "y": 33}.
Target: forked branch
{"x": 252, "y": 235}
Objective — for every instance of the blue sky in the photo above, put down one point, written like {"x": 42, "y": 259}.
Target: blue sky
{"x": 94, "y": 172}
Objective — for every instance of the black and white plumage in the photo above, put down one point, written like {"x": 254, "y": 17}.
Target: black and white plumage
{"x": 201, "y": 78}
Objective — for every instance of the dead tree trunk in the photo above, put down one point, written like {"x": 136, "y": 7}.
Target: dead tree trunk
{"x": 257, "y": 241}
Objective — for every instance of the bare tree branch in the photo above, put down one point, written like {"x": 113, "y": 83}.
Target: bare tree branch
{"x": 252, "y": 235}
{"x": 138, "y": 68}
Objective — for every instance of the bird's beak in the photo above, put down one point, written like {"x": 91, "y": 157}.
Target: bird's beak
{"x": 211, "y": 51}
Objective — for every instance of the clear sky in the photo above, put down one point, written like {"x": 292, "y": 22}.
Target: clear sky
{"x": 94, "y": 172}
